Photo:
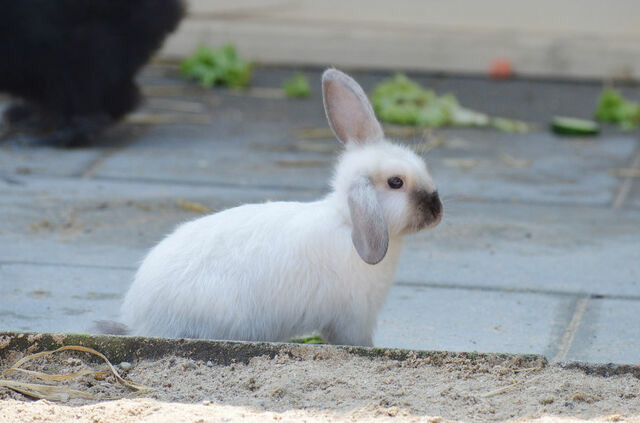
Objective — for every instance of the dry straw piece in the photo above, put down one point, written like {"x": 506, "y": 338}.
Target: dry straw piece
{"x": 194, "y": 207}
{"x": 147, "y": 118}
{"x": 517, "y": 384}
{"x": 62, "y": 393}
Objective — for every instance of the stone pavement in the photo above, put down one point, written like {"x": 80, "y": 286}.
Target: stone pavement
{"x": 539, "y": 251}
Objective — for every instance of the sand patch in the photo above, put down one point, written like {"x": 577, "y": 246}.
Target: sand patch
{"x": 329, "y": 384}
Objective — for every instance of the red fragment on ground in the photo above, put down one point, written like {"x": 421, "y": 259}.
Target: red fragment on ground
{"x": 501, "y": 69}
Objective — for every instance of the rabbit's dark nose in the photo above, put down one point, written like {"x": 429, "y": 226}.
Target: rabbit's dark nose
{"x": 435, "y": 205}
{"x": 429, "y": 208}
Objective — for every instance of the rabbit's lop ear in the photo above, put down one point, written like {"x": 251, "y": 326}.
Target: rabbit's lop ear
{"x": 369, "y": 234}
{"x": 348, "y": 110}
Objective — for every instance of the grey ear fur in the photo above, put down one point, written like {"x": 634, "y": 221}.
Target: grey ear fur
{"x": 348, "y": 109}
{"x": 370, "y": 235}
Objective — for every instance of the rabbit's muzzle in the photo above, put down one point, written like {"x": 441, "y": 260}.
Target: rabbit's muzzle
{"x": 428, "y": 209}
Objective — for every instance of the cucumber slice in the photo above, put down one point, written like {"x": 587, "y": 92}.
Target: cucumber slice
{"x": 574, "y": 126}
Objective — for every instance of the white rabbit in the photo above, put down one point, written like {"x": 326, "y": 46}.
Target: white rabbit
{"x": 272, "y": 271}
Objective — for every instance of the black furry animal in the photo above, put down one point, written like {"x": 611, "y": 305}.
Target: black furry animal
{"x": 72, "y": 62}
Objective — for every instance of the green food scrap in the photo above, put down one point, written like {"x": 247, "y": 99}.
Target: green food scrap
{"x": 217, "y": 67}
{"x": 574, "y": 126}
{"x": 401, "y": 101}
{"x": 297, "y": 86}
{"x": 510, "y": 125}
{"x": 613, "y": 108}
{"x": 308, "y": 340}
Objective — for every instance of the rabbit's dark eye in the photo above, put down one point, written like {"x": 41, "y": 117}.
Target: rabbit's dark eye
{"x": 395, "y": 182}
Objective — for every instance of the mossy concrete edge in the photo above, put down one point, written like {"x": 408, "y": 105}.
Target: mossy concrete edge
{"x": 128, "y": 348}
{"x": 602, "y": 369}
{"x": 132, "y": 348}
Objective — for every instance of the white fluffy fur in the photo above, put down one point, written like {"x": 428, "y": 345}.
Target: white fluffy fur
{"x": 272, "y": 271}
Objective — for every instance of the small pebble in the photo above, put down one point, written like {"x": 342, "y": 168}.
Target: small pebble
{"x": 125, "y": 365}
{"x": 74, "y": 362}
{"x": 188, "y": 365}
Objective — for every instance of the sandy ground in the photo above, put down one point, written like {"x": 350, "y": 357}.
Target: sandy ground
{"x": 325, "y": 384}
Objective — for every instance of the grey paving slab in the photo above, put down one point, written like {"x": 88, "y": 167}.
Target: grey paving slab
{"x": 68, "y": 251}
{"x": 270, "y": 150}
{"x": 105, "y": 223}
{"x": 609, "y": 332}
{"x": 24, "y": 190}
{"x": 529, "y": 247}
{"x": 471, "y": 164}
{"x": 257, "y": 141}
{"x": 221, "y": 162}
{"x": 457, "y": 320}
{"x": 570, "y": 249}
{"x": 67, "y": 298}
{"x": 249, "y": 142}
{"x": 536, "y": 167}
{"x": 633, "y": 199}
{"x": 44, "y": 161}
{"x": 55, "y": 298}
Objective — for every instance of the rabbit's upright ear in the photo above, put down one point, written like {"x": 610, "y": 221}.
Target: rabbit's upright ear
{"x": 348, "y": 110}
{"x": 369, "y": 234}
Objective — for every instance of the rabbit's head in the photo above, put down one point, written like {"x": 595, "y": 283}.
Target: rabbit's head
{"x": 386, "y": 187}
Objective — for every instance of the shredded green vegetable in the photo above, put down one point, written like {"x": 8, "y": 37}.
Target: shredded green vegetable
{"x": 613, "y": 108}
{"x": 401, "y": 101}
{"x": 297, "y": 86}
{"x": 217, "y": 67}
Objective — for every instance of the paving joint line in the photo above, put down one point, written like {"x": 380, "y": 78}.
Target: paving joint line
{"x": 519, "y": 290}
{"x": 153, "y": 181}
{"x": 507, "y": 290}
{"x": 93, "y": 167}
{"x": 82, "y": 266}
{"x": 570, "y": 332}
{"x": 627, "y": 183}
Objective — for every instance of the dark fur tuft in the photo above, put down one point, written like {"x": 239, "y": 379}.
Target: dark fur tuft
{"x": 73, "y": 61}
